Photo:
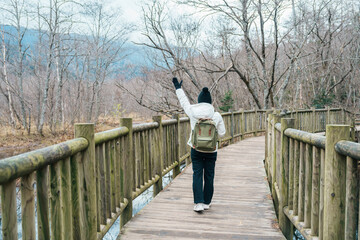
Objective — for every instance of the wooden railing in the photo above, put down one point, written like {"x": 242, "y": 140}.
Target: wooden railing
{"x": 77, "y": 189}
{"x": 313, "y": 178}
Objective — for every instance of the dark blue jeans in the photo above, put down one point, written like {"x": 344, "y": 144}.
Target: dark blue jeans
{"x": 203, "y": 165}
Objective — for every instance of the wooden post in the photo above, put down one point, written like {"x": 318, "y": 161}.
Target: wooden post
{"x": 138, "y": 159}
{"x": 111, "y": 174}
{"x": 335, "y": 182}
{"x": 308, "y": 185}
{"x": 107, "y": 179}
{"x": 147, "y": 175}
{"x": 284, "y": 223}
{"x": 76, "y": 188}
{"x": 291, "y": 112}
{"x": 88, "y": 192}
{"x": 42, "y": 188}
{"x": 176, "y": 170}
{"x": 267, "y": 142}
{"x": 159, "y": 161}
{"x": 352, "y": 199}
{"x": 142, "y": 150}
{"x": 297, "y": 126}
{"x": 313, "y": 123}
{"x": 8, "y": 206}
{"x": 127, "y": 166}
{"x": 252, "y": 121}
{"x": 322, "y": 182}
{"x": 28, "y": 206}
{"x": 328, "y": 116}
{"x": 65, "y": 199}
{"x": 55, "y": 208}
{"x": 315, "y": 198}
{"x": 276, "y": 119}
{"x": 117, "y": 155}
{"x": 272, "y": 153}
{"x": 301, "y": 194}
{"x": 169, "y": 146}
{"x": 242, "y": 124}
{"x": 102, "y": 187}
{"x": 232, "y": 127}
{"x": 296, "y": 177}
{"x": 353, "y": 129}
{"x": 269, "y": 148}
{"x": 291, "y": 173}
{"x": 256, "y": 123}
{"x": 186, "y": 132}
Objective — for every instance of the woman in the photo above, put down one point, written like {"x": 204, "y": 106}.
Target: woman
{"x": 203, "y": 163}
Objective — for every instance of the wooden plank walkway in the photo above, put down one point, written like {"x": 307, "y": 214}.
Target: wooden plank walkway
{"x": 241, "y": 207}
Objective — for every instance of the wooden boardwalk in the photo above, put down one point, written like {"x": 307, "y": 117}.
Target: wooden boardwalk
{"x": 241, "y": 207}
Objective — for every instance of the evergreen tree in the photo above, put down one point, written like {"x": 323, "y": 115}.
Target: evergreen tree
{"x": 227, "y": 102}
{"x": 322, "y": 100}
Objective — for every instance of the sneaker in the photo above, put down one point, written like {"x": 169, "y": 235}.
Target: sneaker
{"x": 206, "y": 206}
{"x": 198, "y": 207}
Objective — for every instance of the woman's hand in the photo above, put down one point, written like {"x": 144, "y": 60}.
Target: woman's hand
{"x": 176, "y": 83}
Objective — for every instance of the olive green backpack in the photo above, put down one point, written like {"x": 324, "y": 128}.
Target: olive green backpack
{"x": 204, "y": 136}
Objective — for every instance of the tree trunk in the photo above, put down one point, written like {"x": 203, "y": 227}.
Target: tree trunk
{"x": 8, "y": 91}
{"x": 58, "y": 97}
{"x": 44, "y": 99}
{"x": 46, "y": 87}
{"x": 17, "y": 14}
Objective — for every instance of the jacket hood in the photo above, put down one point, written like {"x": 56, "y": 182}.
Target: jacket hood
{"x": 202, "y": 110}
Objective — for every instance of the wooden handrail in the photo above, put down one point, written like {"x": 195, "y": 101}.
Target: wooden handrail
{"x": 23, "y": 164}
{"x": 144, "y": 126}
{"x": 84, "y": 184}
{"x": 306, "y": 173}
{"x": 109, "y": 135}
{"x": 169, "y": 122}
{"x": 349, "y": 149}
{"x": 306, "y": 137}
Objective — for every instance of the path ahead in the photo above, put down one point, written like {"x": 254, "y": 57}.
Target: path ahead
{"x": 241, "y": 208}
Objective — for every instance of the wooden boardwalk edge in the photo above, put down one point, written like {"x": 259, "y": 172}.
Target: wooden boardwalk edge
{"x": 241, "y": 208}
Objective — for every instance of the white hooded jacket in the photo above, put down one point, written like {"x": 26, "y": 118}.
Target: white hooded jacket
{"x": 200, "y": 110}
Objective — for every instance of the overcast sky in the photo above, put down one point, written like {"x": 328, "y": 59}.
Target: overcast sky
{"x": 131, "y": 12}
{"x": 131, "y": 9}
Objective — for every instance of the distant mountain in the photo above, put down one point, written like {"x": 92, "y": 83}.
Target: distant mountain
{"x": 136, "y": 58}
{"x": 135, "y": 54}
{"x": 30, "y": 38}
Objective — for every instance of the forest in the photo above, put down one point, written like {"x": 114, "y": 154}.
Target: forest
{"x": 64, "y": 61}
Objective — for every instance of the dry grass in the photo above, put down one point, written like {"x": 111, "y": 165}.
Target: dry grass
{"x": 17, "y": 141}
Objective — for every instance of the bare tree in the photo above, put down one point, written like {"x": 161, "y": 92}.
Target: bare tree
{"x": 52, "y": 17}
{"x": 105, "y": 48}
{"x": 258, "y": 72}
{"x": 172, "y": 47}
{"x": 63, "y": 58}
{"x": 5, "y": 77}
{"x": 175, "y": 41}
{"x": 322, "y": 31}
{"x": 297, "y": 53}
{"x": 17, "y": 16}
{"x": 80, "y": 47}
